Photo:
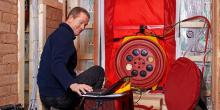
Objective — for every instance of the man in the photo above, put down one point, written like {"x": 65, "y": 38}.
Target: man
{"x": 59, "y": 86}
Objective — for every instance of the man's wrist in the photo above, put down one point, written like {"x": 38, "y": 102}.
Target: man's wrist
{"x": 73, "y": 85}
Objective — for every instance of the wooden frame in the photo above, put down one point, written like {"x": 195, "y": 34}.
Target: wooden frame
{"x": 190, "y": 24}
{"x": 42, "y": 26}
{"x": 215, "y": 23}
{"x": 96, "y": 34}
{"x": 21, "y": 58}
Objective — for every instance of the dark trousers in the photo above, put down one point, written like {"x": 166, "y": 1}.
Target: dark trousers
{"x": 94, "y": 77}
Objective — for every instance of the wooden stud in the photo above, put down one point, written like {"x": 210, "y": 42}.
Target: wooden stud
{"x": 42, "y": 39}
{"x": 42, "y": 26}
{"x": 215, "y": 23}
{"x": 64, "y": 10}
{"x": 190, "y": 24}
{"x": 21, "y": 58}
{"x": 95, "y": 29}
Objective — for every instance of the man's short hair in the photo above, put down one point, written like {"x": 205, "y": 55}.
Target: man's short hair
{"x": 76, "y": 11}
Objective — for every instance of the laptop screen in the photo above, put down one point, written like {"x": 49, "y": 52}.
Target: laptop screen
{"x": 117, "y": 85}
{"x": 111, "y": 89}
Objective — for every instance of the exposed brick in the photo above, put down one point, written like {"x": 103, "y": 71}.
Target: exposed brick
{"x": 10, "y": 58}
{"x": 52, "y": 23}
{"x": 1, "y": 59}
{"x": 5, "y": 6}
{"x": 5, "y": 90}
{"x": 49, "y": 31}
{"x": 14, "y": 68}
{"x": 8, "y": 38}
{"x": 13, "y": 1}
{"x": 58, "y": 15}
{"x": 12, "y": 99}
{"x": 0, "y": 15}
{"x": 8, "y": 7}
{"x": 8, "y": 52}
{"x": 14, "y": 28}
{"x": 48, "y": 15}
{"x": 14, "y": 9}
{"x": 9, "y": 89}
{"x": 9, "y": 18}
{"x": 54, "y": 14}
{"x": 5, "y": 69}
{"x": 49, "y": 12}
{"x": 8, "y": 49}
{"x": 8, "y": 79}
{"x": 14, "y": 88}
{"x": 4, "y": 27}
{"x": 2, "y": 39}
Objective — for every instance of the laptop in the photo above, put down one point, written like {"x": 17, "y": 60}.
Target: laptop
{"x": 111, "y": 89}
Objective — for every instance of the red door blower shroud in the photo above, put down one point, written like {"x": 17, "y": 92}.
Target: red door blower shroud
{"x": 142, "y": 58}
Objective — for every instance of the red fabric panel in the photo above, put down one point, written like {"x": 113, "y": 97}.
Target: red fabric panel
{"x": 169, "y": 43}
{"x": 182, "y": 88}
{"x": 110, "y": 73}
{"x": 133, "y": 13}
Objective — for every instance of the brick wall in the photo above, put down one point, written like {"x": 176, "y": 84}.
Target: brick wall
{"x": 8, "y": 52}
{"x": 54, "y": 18}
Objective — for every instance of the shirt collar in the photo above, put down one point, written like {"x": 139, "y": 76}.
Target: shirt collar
{"x": 69, "y": 29}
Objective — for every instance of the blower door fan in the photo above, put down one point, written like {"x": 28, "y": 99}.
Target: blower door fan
{"x": 142, "y": 58}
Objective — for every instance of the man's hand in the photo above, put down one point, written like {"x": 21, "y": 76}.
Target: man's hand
{"x": 80, "y": 88}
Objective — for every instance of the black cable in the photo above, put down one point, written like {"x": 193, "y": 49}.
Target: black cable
{"x": 139, "y": 97}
